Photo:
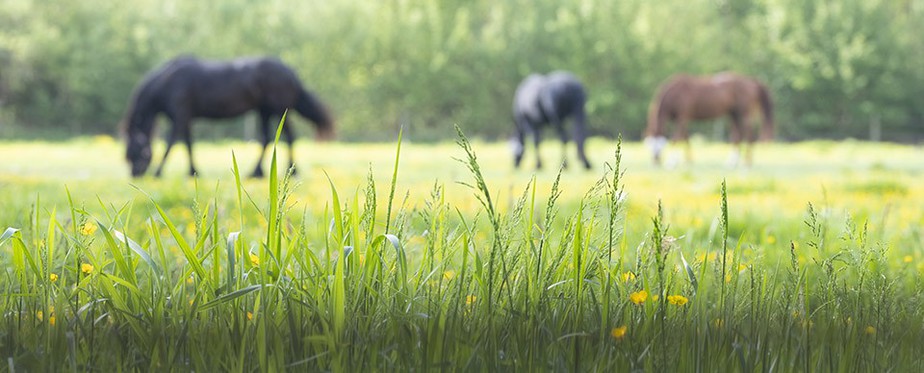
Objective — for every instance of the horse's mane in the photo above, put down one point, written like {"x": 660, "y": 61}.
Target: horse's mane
{"x": 142, "y": 90}
{"x": 656, "y": 105}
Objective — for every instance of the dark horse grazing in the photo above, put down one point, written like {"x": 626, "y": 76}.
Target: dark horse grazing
{"x": 551, "y": 99}
{"x": 684, "y": 98}
{"x": 187, "y": 88}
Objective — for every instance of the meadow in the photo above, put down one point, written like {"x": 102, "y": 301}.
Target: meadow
{"x": 451, "y": 260}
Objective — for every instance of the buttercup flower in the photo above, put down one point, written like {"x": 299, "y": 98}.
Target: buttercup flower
{"x": 53, "y": 277}
{"x": 638, "y": 297}
{"x": 86, "y": 268}
{"x": 255, "y": 260}
{"x": 88, "y": 228}
{"x": 677, "y": 299}
{"x": 619, "y": 333}
{"x": 628, "y": 276}
{"x": 908, "y": 259}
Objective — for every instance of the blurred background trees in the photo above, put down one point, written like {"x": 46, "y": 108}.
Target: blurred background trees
{"x": 838, "y": 69}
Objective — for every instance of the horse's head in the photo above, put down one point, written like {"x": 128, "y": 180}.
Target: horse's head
{"x": 138, "y": 153}
{"x": 138, "y": 130}
{"x": 656, "y": 145}
{"x": 310, "y": 107}
{"x": 655, "y": 137}
{"x": 325, "y": 131}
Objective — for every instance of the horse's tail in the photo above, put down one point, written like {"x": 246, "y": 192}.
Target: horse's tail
{"x": 766, "y": 104}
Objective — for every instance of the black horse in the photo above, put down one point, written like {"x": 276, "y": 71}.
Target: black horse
{"x": 186, "y": 88}
{"x": 551, "y": 99}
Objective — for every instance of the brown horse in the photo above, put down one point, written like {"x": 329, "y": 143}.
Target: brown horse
{"x": 684, "y": 98}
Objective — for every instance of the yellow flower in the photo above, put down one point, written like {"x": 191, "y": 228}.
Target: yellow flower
{"x": 249, "y": 315}
{"x": 907, "y": 259}
{"x": 619, "y": 333}
{"x": 255, "y": 260}
{"x": 742, "y": 267}
{"x": 771, "y": 239}
{"x": 53, "y": 277}
{"x": 190, "y": 280}
{"x": 51, "y": 320}
{"x": 638, "y": 297}
{"x": 677, "y": 299}
{"x": 628, "y": 276}
{"x": 470, "y": 299}
{"x": 86, "y": 268}
{"x": 448, "y": 275}
{"x": 870, "y": 330}
{"x": 88, "y": 228}
{"x": 38, "y": 315}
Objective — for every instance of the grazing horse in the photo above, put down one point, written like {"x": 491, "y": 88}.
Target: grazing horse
{"x": 186, "y": 88}
{"x": 684, "y": 98}
{"x": 552, "y": 98}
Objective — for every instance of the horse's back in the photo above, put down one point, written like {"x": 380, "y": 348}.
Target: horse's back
{"x": 526, "y": 97}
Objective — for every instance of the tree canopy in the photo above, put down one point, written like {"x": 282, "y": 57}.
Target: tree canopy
{"x": 837, "y": 69}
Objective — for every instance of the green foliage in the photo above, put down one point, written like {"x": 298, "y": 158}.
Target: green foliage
{"x": 837, "y": 69}
{"x": 529, "y": 284}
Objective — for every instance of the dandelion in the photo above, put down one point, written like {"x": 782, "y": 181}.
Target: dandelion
{"x": 907, "y": 259}
{"x": 638, "y": 297}
{"x": 88, "y": 228}
{"x": 870, "y": 330}
{"x": 255, "y": 260}
{"x": 53, "y": 277}
{"x": 619, "y": 333}
{"x": 86, "y": 268}
{"x": 678, "y": 300}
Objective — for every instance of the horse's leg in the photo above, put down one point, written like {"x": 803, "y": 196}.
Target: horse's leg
{"x": 580, "y": 134}
{"x": 171, "y": 138}
{"x": 563, "y": 135}
{"x": 290, "y": 139}
{"x": 264, "y": 139}
{"x": 681, "y": 135}
{"x": 734, "y": 136}
{"x": 187, "y": 134}
{"x": 537, "y": 139}
{"x": 749, "y": 139}
{"x": 517, "y": 143}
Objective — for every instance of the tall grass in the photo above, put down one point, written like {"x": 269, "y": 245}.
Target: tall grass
{"x": 525, "y": 285}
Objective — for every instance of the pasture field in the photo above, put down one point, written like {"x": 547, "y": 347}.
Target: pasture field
{"x": 812, "y": 259}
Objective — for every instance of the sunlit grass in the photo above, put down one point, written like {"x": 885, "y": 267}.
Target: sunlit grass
{"x": 436, "y": 263}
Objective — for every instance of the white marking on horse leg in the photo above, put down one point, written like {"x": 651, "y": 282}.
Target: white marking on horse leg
{"x": 733, "y": 158}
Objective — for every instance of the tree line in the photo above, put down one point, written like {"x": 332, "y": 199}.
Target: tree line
{"x": 837, "y": 69}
